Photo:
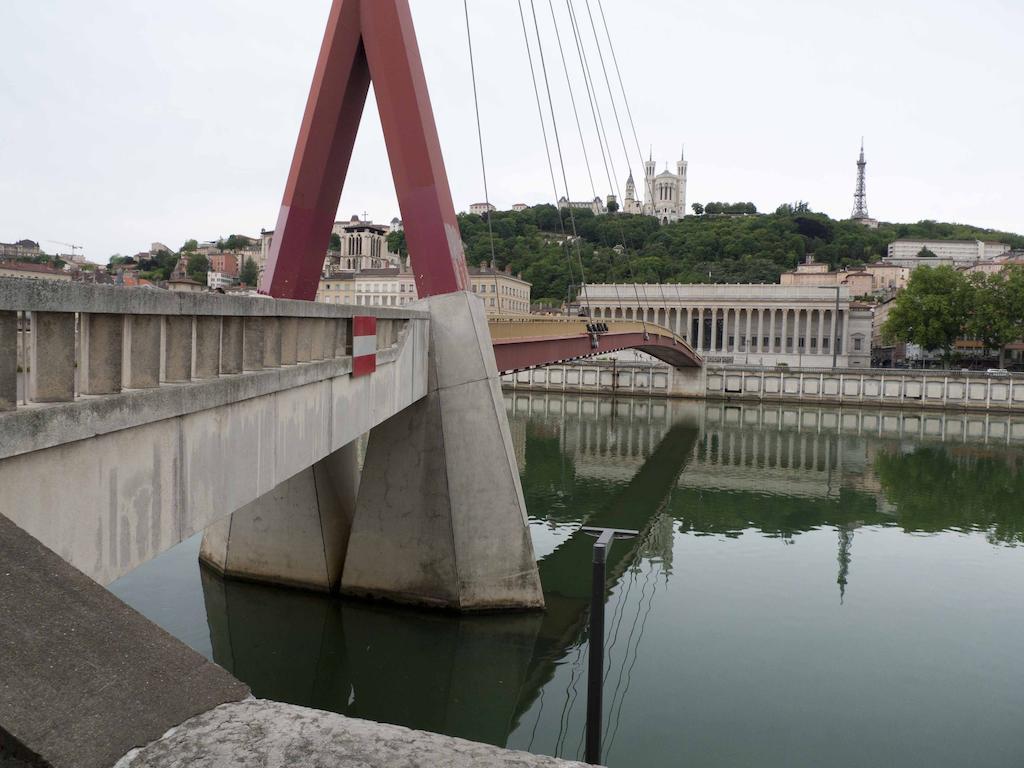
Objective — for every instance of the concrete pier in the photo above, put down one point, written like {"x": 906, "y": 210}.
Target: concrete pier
{"x": 449, "y": 529}
{"x": 295, "y": 535}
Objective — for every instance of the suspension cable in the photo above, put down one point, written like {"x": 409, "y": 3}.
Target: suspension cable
{"x": 561, "y": 158}
{"x": 614, "y": 186}
{"x": 544, "y": 133}
{"x": 483, "y": 165}
{"x": 615, "y": 113}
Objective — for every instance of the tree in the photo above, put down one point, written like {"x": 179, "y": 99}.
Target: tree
{"x": 396, "y": 243}
{"x": 250, "y": 273}
{"x": 698, "y": 209}
{"x": 996, "y": 308}
{"x": 335, "y": 242}
{"x": 926, "y": 253}
{"x": 190, "y": 245}
{"x": 198, "y": 266}
{"x": 932, "y": 311}
{"x": 613, "y": 206}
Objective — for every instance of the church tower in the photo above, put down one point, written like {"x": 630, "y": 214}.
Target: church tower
{"x": 681, "y": 173}
{"x": 630, "y": 205}
{"x": 650, "y": 170}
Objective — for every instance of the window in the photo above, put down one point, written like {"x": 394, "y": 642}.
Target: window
{"x": 856, "y": 344}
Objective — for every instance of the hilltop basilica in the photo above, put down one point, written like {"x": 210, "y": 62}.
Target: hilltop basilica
{"x": 664, "y": 193}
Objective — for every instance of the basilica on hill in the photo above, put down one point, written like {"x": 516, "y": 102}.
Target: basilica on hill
{"x": 664, "y": 194}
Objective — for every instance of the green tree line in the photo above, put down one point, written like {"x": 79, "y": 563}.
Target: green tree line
{"x": 698, "y": 249}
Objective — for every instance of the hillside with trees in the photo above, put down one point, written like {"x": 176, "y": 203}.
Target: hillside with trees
{"x": 736, "y": 247}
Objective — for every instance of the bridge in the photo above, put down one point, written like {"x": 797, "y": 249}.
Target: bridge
{"x": 148, "y": 417}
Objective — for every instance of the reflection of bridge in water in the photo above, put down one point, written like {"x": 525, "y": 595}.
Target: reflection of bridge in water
{"x": 654, "y": 465}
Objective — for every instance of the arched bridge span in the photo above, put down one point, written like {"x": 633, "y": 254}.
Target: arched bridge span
{"x": 531, "y": 342}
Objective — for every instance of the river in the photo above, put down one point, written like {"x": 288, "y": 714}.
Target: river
{"x": 811, "y": 586}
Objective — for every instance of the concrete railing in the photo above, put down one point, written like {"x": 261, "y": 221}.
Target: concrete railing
{"x": 70, "y": 340}
{"x": 955, "y": 390}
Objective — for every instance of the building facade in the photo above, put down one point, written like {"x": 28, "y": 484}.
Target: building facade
{"x": 906, "y": 252}
{"x": 34, "y": 271}
{"x": 481, "y": 208}
{"x": 664, "y": 194}
{"x": 749, "y": 324}
{"x": 23, "y": 249}
{"x": 595, "y": 206}
{"x": 870, "y": 279}
{"x": 501, "y": 291}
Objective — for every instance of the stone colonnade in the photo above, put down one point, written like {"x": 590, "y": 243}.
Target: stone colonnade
{"x": 743, "y": 329}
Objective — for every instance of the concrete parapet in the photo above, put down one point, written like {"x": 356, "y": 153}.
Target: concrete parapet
{"x": 316, "y": 338}
{"x": 52, "y": 357}
{"x": 304, "y": 342}
{"x": 8, "y": 360}
{"x": 85, "y": 678}
{"x": 206, "y": 364}
{"x": 440, "y": 516}
{"x": 140, "y": 366}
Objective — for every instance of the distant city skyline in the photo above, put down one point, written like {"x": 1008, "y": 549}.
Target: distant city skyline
{"x": 190, "y": 131}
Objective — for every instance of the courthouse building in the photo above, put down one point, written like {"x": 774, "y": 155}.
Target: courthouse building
{"x": 747, "y": 324}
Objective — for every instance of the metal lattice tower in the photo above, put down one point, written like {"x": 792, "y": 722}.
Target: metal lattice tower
{"x": 860, "y": 195}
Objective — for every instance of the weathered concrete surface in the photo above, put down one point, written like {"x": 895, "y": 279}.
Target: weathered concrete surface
{"x": 162, "y": 464}
{"x": 450, "y": 527}
{"x": 83, "y": 677}
{"x": 295, "y": 535}
{"x": 8, "y": 360}
{"x": 52, "y": 357}
{"x": 101, "y": 358}
{"x": 266, "y": 734}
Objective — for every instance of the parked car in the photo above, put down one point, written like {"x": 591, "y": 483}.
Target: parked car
{"x": 997, "y": 372}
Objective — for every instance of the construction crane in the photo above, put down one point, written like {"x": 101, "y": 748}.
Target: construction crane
{"x": 72, "y": 246}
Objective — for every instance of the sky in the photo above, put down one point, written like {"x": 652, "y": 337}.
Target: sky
{"x": 124, "y": 123}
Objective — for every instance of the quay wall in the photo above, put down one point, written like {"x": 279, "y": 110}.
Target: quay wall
{"x": 944, "y": 390}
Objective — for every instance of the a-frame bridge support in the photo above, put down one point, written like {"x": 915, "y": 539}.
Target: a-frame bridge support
{"x": 439, "y": 518}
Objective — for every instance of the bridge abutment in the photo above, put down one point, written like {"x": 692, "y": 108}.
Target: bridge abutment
{"x": 440, "y": 515}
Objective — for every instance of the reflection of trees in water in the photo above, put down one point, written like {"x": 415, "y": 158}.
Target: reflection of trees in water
{"x": 933, "y": 490}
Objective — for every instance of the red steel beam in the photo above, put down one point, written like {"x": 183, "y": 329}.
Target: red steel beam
{"x": 366, "y": 40}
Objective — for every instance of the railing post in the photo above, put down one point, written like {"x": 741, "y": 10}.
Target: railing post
{"x": 52, "y": 357}
{"x": 271, "y": 342}
{"x": 231, "y": 345}
{"x": 330, "y": 338}
{"x": 316, "y": 341}
{"x": 101, "y": 356}
{"x": 289, "y": 340}
{"x": 304, "y": 343}
{"x": 207, "y": 350}
{"x": 177, "y": 348}
{"x": 8, "y": 361}
{"x": 140, "y": 365}
{"x": 252, "y": 344}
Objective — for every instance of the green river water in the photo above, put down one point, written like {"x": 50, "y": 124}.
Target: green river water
{"x": 811, "y": 587}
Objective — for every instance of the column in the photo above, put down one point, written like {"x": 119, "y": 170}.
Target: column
{"x": 771, "y": 329}
{"x": 747, "y": 341}
{"x": 206, "y": 364}
{"x": 832, "y": 332}
{"x": 821, "y": 330}
{"x": 700, "y": 330}
{"x": 252, "y": 344}
{"x": 231, "y": 345}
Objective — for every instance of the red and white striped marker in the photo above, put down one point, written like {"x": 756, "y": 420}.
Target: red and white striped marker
{"x": 364, "y": 345}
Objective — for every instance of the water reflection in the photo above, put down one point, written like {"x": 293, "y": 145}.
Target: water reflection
{"x": 668, "y": 469}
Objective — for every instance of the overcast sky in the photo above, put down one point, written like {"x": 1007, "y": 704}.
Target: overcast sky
{"x": 126, "y": 122}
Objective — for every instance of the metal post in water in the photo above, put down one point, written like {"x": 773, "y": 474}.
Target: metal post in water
{"x": 595, "y": 674}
